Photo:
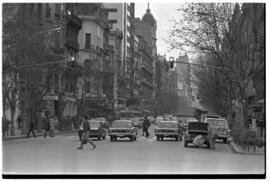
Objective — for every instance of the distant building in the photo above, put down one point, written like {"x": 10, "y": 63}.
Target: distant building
{"x": 121, "y": 14}
{"x": 184, "y": 90}
{"x": 95, "y": 57}
{"x": 146, "y": 28}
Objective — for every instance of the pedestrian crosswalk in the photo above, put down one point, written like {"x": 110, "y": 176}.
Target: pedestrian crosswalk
{"x": 76, "y": 138}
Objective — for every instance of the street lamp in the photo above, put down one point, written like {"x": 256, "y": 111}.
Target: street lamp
{"x": 47, "y": 31}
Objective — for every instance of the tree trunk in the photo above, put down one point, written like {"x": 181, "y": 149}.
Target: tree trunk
{"x": 12, "y": 119}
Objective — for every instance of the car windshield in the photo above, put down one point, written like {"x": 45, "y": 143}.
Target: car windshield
{"x": 167, "y": 125}
{"x": 94, "y": 124}
{"x": 197, "y": 126}
{"x": 216, "y": 122}
{"x": 121, "y": 125}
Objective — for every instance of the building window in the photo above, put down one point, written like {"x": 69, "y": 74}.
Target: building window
{"x": 87, "y": 87}
{"x": 87, "y": 40}
{"x": 57, "y": 11}
{"x": 48, "y": 11}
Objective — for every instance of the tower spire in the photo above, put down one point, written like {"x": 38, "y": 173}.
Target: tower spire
{"x": 148, "y": 7}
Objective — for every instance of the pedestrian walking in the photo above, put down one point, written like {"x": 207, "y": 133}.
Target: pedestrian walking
{"x": 85, "y": 135}
{"x": 31, "y": 129}
{"x": 52, "y": 127}
{"x": 5, "y": 126}
{"x": 146, "y": 124}
{"x": 212, "y": 136}
{"x": 47, "y": 127}
{"x": 80, "y": 129}
{"x": 20, "y": 121}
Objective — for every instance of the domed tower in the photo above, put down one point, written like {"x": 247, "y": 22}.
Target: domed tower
{"x": 149, "y": 19}
{"x": 147, "y": 27}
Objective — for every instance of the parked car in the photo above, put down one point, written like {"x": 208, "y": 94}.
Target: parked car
{"x": 136, "y": 122}
{"x": 97, "y": 129}
{"x": 209, "y": 115}
{"x": 158, "y": 119}
{"x": 152, "y": 119}
{"x": 220, "y": 127}
{"x": 104, "y": 122}
{"x": 122, "y": 129}
{"x": 195, "y": 129}
{"x": 169, "y": 129}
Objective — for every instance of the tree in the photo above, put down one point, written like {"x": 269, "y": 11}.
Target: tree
{"x": 217, "y": 29}
{"x": 25, "y": 46}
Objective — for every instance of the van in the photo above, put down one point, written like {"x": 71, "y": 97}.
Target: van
{"x": 220, "y": 127}
{"x": 208, "y": 115}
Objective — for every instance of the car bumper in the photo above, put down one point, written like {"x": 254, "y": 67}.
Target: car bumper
{"x": 167, "y": 134}
{"x": 95, "y": 134}
{"x": 121, "y": 134}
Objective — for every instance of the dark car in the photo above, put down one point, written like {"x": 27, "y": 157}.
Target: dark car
{"x": 122, "y": 129}
{"x": 169, "y": 129}
{"x": 97, "y": 129}
{"x": 195, "y": 129}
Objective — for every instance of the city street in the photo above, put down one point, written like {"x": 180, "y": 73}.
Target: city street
{"x": 59, "y": 155}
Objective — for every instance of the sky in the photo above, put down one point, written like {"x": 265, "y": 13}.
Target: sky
{"x": 163, "y": 12}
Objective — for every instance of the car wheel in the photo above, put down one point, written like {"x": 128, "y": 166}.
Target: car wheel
{"x": 104, "y": 137}
{"x": 157, "y": 138}
{"x": 225, "y": 140}
{"x": 111, "y": 138}
{"x": 161, "y": 138}
{"x": 186, "y": 144}
{"x": 135, "y": 138}
{"x": 99, "y": 138}
{"x": 131, "y": 138}
{"x": 115, "y": 138}
{"x": 176, "y": 138}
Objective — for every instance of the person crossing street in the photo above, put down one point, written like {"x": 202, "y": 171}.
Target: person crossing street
{"x": 31, "y": 129}
{"x": 85, "y": 135}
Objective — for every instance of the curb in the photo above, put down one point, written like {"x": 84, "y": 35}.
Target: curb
{"x": 237, "y": 150}
{"x": 37, "y": 134}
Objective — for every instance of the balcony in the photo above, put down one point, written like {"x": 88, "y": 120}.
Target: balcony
{"x": 146, "y": 82}
{"x": 147, "y": 68}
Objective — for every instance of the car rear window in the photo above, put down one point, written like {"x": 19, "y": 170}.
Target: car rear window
{"x": 121, "y": 125}
{"x": 167, "y": 125}
{"x": 216, "y": 122}
{"x": 197, "y": 126}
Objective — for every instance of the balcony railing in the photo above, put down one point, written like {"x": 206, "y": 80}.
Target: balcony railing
{"x": 145, "y": 81}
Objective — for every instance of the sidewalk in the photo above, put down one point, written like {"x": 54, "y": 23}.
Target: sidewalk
{"x": 237, "y": 149}
{"x": 37, "y": 134}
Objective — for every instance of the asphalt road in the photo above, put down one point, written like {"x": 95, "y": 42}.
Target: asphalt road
{"x": 59, "y": 155}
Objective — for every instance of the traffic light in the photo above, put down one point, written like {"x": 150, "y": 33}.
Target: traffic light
{"x": 171, "y": 64}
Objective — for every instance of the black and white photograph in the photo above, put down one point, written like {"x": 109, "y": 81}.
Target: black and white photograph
{"x": 133, "y": 89}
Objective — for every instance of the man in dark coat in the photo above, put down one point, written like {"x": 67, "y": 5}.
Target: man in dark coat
{"x": 31, "y": 129}
{"x": 146, "y": 124}
{"x": 85, "y": 135}
{"x": 47, "y": 126}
